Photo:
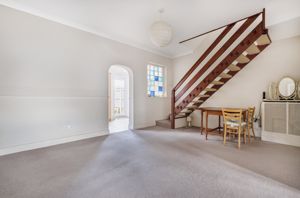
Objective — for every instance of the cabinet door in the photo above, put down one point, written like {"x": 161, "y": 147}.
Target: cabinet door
{"x": 275, "y": 117}
{"x": 294, "y": 119}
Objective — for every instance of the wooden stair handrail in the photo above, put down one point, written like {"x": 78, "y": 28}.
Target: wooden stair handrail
{"x": 236, "y": 52}
{"x": 204, "y": 55}
{"x": 263, "y": 12}
{"x": 226, "y": 45}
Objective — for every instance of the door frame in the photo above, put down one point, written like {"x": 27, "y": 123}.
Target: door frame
{"x": 131, "y": 94}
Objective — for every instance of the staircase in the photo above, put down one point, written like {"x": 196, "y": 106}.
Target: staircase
{"x": 236, "y": 46}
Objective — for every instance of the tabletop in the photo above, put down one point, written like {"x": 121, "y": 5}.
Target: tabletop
{"x": 216, "y": 108}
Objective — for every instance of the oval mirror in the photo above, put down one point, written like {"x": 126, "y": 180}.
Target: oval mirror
{"x": 287, "y": 87}
{"x": 299, "y": 89}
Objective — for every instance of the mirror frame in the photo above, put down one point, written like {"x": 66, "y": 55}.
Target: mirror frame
{"x": 292, "y": 95}
{"x": 298, "y": 87}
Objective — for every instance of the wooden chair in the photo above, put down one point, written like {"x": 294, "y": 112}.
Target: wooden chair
{"x": 250, "y": 122}
{"x": 233, "y": 124}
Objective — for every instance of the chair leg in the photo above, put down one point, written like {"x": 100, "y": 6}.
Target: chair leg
{"x": 243, "y": 137}
{"x": 248, "y": 134}
{"x": 225, "y": 131}
{"x": 244, "y": 133}
{"x": 253, "y": 132}
{"x": 239, "y": 138}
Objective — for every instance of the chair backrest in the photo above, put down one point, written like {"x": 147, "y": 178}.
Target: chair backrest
{"x": 250, "y": 115}
{"x": 232, "y": 115}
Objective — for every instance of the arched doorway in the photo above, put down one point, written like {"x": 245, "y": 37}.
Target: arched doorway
{"x": 120, "y": 98}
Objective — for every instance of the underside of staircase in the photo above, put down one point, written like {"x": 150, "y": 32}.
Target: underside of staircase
{"x": 235, "y": 47}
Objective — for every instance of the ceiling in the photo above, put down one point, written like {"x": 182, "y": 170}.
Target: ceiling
{"x": 128, "y": 21}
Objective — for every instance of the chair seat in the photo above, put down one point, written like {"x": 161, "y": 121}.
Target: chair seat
{"x": 235, "y": 124}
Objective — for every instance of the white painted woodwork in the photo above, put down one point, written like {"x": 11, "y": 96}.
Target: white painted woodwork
{"x": 281, "y": 122}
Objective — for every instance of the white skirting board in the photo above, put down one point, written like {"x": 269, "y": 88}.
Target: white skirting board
{"x": 43, "y": 144}
{"x": 280, "y": 138}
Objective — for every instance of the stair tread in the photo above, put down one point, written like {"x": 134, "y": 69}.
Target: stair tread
{"x": 224, "y": 75}
{"x": 210, "y": 89}
{"x": 204, "y": 96}
{"x": 253, "y": 49}
{"x": 197, "y": 98}
{"x": 242, "y": 59}
{"x": 233, "y": 67}
{"x": 263, "y": 40}
{"x": 217, "y": 82}
{"x": 197, "y": 102}
{"x": 192, "y": 107}
{"x": 191, "y": 104}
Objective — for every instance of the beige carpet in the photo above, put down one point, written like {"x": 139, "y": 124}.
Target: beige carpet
{"x": 152, "y": 163}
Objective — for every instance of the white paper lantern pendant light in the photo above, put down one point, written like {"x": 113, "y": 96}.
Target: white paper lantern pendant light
{"x": 161, "y": 32}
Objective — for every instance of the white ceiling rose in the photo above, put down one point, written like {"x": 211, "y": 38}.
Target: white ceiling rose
{"x": 161, "y": 33}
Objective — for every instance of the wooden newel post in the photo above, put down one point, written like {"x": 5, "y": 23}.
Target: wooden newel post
{"x": 172, "y": 117}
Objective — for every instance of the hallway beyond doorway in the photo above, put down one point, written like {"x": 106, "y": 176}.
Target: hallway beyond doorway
{"x": 118, "y": 125}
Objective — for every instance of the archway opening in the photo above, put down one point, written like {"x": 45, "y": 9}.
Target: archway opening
{"x": 120, "y": 99}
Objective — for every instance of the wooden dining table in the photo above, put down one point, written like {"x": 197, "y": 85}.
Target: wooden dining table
{"x": 216, "y": 111}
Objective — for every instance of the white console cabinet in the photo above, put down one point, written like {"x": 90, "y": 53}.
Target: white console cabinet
{"x": 281, "y": 122}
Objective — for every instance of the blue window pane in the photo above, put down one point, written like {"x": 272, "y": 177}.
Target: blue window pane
{"x": 160, "y": 88}
{"x": 156, "y": 78}
{"x": 152, "y": 93}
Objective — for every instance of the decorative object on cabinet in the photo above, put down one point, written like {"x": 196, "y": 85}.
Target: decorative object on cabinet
{"x": 264, "y": 95}
{"x": 287, "y": 88}
{"x": 273, "y": 91}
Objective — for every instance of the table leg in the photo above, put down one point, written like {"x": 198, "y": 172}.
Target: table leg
{"x": 219, "y": 124}
{"x": 206, "y": 126}
{"x": 201, "y": 129}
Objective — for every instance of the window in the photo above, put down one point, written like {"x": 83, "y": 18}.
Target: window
{"x": 119, "y": 97}
{"x": 156, "y": 81}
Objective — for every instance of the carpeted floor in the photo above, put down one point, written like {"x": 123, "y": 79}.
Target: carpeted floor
{"x": 153, "y": 162}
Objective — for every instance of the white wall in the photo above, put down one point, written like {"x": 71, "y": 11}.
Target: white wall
{"x": 53, "y": 80}
{"x": 279, "y": 59}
